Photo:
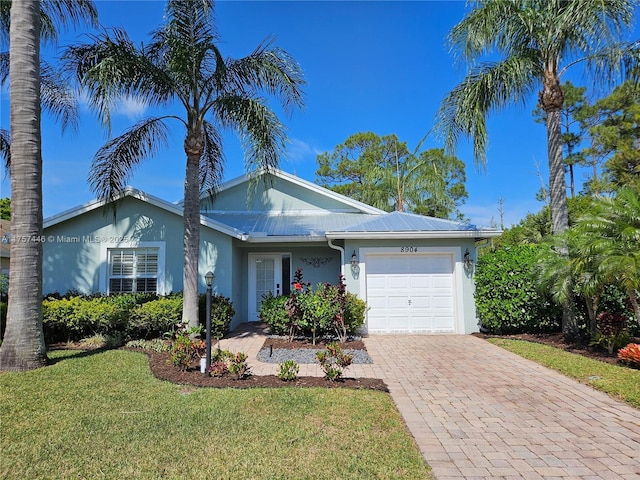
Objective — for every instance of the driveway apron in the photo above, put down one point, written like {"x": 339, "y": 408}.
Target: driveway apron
{"x": 477, "y": 411}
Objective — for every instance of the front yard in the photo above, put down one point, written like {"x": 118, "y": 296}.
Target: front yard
{"x": 103, "y": 415}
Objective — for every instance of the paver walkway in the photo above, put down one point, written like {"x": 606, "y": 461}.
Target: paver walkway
{"x": 477, "y": 411}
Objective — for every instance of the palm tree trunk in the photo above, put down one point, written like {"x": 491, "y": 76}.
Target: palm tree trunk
{"x": 634, "y": 303}
{"x": 558, "y": 198}
{"x": 557, "y": 182}
{"x": 23, "y": 346}
{"x": 193, "y": 145}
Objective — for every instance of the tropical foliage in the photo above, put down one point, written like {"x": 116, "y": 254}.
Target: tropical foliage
{"x": 517, "y": 47}
{"x": 508, "y": 299}
{"x": 381, "y": 171}
{"x": 183, "y": 65}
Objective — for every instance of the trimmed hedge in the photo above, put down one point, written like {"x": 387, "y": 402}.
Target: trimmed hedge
{"x": 508, "y": 299}
{"x": 71, "y": 317}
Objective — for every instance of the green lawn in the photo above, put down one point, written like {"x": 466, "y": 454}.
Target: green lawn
{"x": 620, "y": 382}
{"x": 103, "y": 415}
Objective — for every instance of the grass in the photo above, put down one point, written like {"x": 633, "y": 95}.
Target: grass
{"x": 103, "y": 415}
{"x": 620, "y": 382}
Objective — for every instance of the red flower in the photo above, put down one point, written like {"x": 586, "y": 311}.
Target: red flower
{"x": 297, "y": 286}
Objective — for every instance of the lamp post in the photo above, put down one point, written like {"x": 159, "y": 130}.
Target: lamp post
{"x": 208, "y": 278}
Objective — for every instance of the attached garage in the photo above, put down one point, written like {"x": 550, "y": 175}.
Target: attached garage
{"x": 410, "y": 293}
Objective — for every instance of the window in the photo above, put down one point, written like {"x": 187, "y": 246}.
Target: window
{"x": 133, "y": 270}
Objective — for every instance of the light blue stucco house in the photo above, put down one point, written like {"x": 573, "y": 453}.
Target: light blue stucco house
{"x": 410, "y": 269}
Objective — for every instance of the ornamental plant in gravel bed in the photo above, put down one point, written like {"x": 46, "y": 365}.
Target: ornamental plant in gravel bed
{"x": 328, "y": 311}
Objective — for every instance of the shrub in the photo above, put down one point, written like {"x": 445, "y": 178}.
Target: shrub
{"x": 288, "y": 370}
{"x": 630, "y": 355}
{"x": 154, "y": 345}
{"x": 223, "y": 362}
{"x": 73, "y": 316}
{"x": 612, "y": 332}
{"x": 333, "y": 361}
{"x": 102, "y": 341}
{"x": 327, "y": 311}
{"x": 239, "y": 366}
{"x": 507, "y": 296}
{"x": 185, "y": 350}
{"x": 222, "y": 313}
{"x": 156, "y": 317}
{"x": 274, "y": 314}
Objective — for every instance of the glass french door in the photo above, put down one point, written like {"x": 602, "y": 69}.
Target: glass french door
{"x": 265, "y": 278}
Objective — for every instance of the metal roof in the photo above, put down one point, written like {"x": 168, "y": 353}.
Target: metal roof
{"x": 404, "y": 222}
{"x": 312, "y": 225}
{"x": 285, "y": 225}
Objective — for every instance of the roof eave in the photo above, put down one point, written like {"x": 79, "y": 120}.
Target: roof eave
{"x": 476, "y": 234}
{"x": 284, "y": 238}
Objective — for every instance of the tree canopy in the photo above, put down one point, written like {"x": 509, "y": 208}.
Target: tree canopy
{"x": 382, "y": 172}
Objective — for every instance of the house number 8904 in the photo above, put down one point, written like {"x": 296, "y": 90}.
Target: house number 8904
{"x": 408, "y": 249}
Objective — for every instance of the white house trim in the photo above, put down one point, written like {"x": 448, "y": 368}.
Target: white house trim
{"x": 104, "y": 261}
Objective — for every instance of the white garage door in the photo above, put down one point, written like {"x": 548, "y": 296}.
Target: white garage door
{"x": 410, "y": 293}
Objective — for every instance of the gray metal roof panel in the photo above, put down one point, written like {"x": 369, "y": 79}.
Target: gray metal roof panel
{"x": 289, "y": 224}
{"x": 407, "y": 222}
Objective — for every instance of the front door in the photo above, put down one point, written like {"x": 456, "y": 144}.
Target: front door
{"x": 265, "y": 278}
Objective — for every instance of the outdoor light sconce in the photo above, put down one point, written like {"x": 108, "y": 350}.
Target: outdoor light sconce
{"x": 355, "y": 265}
{"x": 208, "y": 279}
{"x": 468, "y": 261}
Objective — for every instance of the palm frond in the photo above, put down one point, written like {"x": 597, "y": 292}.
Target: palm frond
{"x": 55, "y": 16}
{"x": 615, "y": 62}
{"x": 272, "y": 70}
{"x": 490, "y": 86}
{"x": 182, "y": 46}
{"x": 212, "y": 159}
{"x": 112, "y": 67}
{"x": 4, "y": 67}
{"x": 57, "y": 97}
{"x": 59, "y": 15}
{"x": 5, "y": 148}
{"x": 261, "y": 133}
{"x": 115, "y": 161}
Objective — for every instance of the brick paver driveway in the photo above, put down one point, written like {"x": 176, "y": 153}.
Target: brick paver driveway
{"x": 478, "y": 411}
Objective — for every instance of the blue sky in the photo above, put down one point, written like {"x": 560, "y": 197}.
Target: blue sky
{"x": 370, "y": 66}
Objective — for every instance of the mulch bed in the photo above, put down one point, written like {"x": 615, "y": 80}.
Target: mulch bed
{"x": 163, "y": 370}
{"x": 557, "y": 340}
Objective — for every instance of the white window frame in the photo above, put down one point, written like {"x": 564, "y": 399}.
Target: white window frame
{"x": 104, "y": 267}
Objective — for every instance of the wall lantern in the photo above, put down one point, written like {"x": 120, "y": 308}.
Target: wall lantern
{"x": 355, "y": 265}
{"x": 468, "y": 261}
{"x": 354, "y": 260}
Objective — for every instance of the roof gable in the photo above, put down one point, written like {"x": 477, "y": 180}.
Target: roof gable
{"x": 144, "y": 197}
{"x": 278, "y": 192}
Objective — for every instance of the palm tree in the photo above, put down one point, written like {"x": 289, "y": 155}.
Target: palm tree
{"x": 612, "y": 233}
{"x": 537, "y": 40}
{"x": 183, "y": 65}
{"x": 576, "y": 273}
{"x": 55, "y": 95}
{"x": 23, "y": 345}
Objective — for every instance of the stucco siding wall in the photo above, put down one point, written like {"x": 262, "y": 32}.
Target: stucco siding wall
{"x": 75, "y": 251}
{"x": 280, "y": 197}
